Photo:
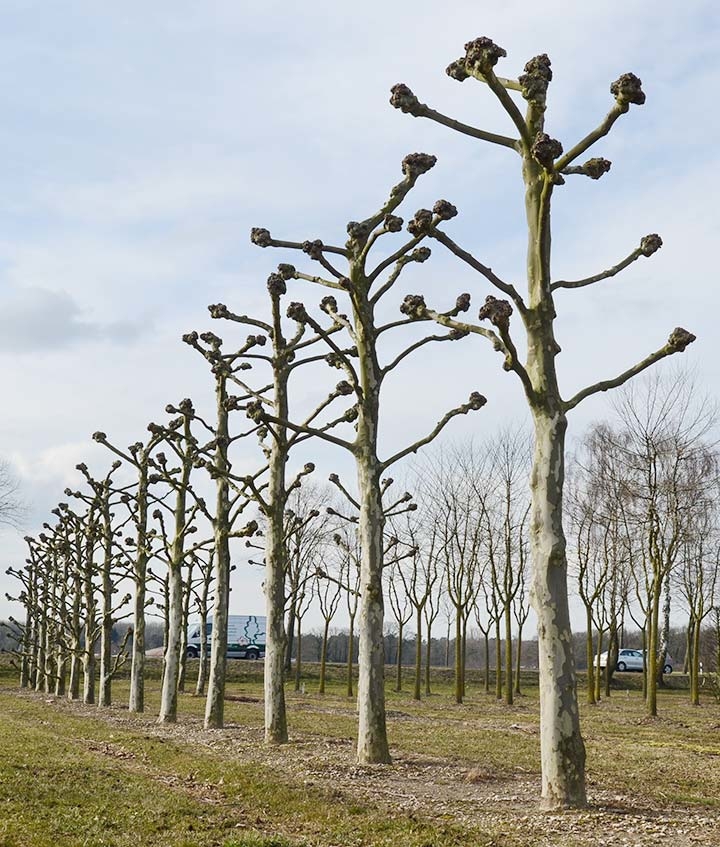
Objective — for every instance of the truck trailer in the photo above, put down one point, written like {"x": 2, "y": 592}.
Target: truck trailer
{"x": 246, "y": 637}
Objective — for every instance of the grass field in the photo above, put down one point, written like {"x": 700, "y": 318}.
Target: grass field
{"x": 73, "y": 775}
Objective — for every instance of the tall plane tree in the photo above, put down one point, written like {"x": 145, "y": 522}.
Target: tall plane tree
{"x": 544, "y": 167}
{"x": 364, "y": 286}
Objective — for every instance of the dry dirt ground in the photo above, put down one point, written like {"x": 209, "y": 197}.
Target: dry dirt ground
{"x": 433, "y": 788}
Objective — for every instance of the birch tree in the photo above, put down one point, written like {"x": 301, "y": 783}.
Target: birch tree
{"x": 544, "y": 166}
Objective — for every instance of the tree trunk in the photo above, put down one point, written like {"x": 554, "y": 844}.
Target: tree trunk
{"x": 519, "y": 659}
{"x": 372, "y": 731}
{"x": 203, "y": 663}
{"x": 398, "y": 658}
{"x": 169, "y": 694}
{"x": 458, "y": 657}
{"x": 351, "y": 650}
{"x": 590, "y": 656}
{"x": 323, "y": 656}
{"x": 695, "y": 672}
{"x": 418, "y": 652}
{"x": 508, "y": 656}
{"x": 171, "y": 671}
{"x": 498, "y": 660}
{"x": 90, "y": 626}
{"x": 136, "y": 701}
{"x": 486, "y": 637}
{"x": 428, "y": 657}
{"x": 561, "y": 746}
{"x": 75, "y": 636}
{"x": 651, "y": 673}
{"x": 215, "y": 701}
{"x": 298, "y": 652}
{"x": 105, "y": 695}
{"x": 598, "y": 653}
{"x": 665, "y": 633}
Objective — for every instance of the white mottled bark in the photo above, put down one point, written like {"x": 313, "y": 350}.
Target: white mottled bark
{"x": 106, "y": 593}
{"x": 215, "y": 702}
{"x": 561, "y": 746}
{"x": 136, "y": 701}
{"x": 174, "y": 602}
{"x": 372, "y": 731}
{"x": 275, "y": 641}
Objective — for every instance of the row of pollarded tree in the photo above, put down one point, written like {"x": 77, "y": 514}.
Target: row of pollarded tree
{"x": 362, "y": 273}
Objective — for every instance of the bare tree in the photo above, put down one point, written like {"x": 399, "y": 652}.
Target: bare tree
{"x": 365, "y": 287}
{"x": 544, "y": 167}
{"x": 12, "y": 509}
{"x": 138, "y": 456}
{"x": 668, "y": 474}
{"x": 698, "y": 574}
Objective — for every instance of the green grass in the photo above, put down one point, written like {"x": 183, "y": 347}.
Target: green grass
{"x": 72, "y": 775}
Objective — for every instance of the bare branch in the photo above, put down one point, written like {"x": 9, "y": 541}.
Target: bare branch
{"x": 649, "y": 245}
{"x": 335, "y": 479}
{"x": 402, "y": 98}
{"x": 678, "y": 341}
{"x": 469, "y": 259}
{"x": 476, "y": 401}
{"x": 411, "y": 349}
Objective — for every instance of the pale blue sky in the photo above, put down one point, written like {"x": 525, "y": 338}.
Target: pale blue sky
{"x": 139, "y": 143}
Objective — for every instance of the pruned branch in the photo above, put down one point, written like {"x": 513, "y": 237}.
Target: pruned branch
{"x": 335, "y": 480}
{"x": 627, "y": 90}
{"x": 648, "y": 245}
{"x": 403, "y": 98}
{"x": 475, "y": 402}
{"x": 677, "y": 342}
{"x": 411, "y": 349}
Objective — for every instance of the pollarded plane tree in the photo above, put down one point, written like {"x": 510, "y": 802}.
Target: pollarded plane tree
{"x": 200, "y": 602}
{"x": 104, "y": 496}
{"x": 35, "y": 582}
{"x": 174, "y": 551}
{"x": 364, "y": 287}
{"x": 232, "y": 494}
{"x": 65, "y": 602}
{"x": 545, "y": 167}
{"x": 289, "y": 350}
{"x": 75, "y": 548}
{"x": 138, "y": 501}
{"x": 27, "y": 630}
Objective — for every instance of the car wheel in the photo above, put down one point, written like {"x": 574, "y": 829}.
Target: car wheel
{"x": 621, "y": 666}
{"x": 252, "y": 655}
{"x": 192, "y": 653}
{"x": 667, "y": 669}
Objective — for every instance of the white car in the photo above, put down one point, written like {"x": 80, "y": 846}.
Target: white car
{"x": 631, "y": 660}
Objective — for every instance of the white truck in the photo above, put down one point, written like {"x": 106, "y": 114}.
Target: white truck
{"x": 246, "y": 637}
